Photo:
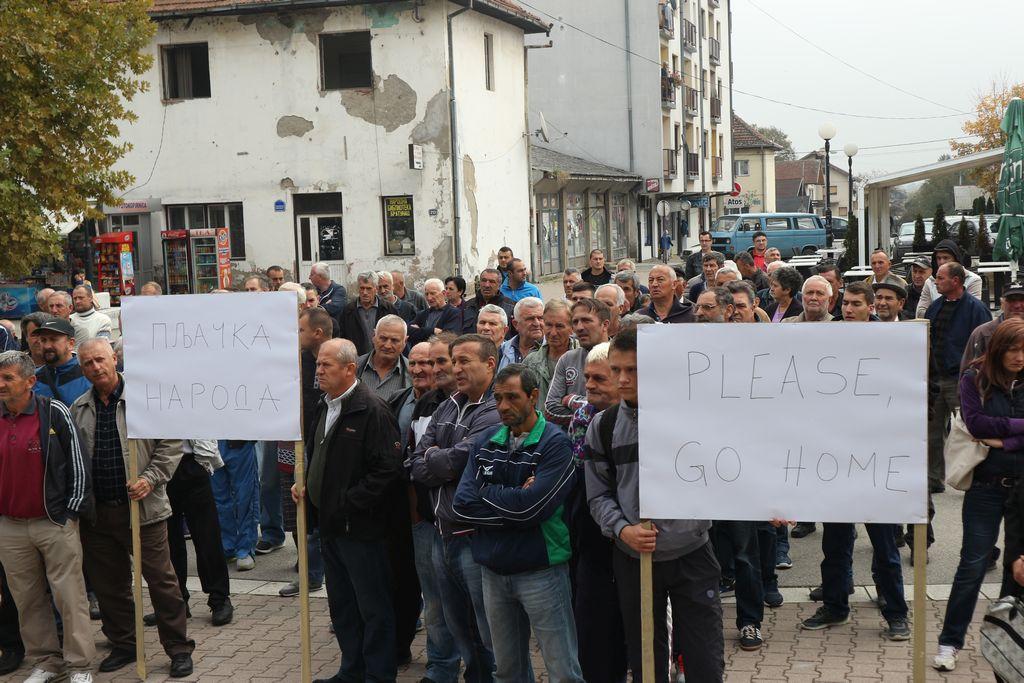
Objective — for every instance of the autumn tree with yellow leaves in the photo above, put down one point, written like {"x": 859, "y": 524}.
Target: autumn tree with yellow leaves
{"x": 989, "y": 116}
{"x": 69, "y": 70}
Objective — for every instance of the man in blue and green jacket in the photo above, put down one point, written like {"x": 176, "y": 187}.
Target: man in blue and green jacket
{"x": 513, "y": 491}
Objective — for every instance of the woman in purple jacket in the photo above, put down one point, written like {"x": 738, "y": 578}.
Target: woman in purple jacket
{"x": 992, "y": 403}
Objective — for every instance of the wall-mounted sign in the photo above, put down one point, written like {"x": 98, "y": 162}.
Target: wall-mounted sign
{"x": 416, "y": 157}
{"x": 399, "y": 233}
{"x": 133, "y": 206}
{"x": 653, "y": 184}
{"x": 279, "y": 206}
{"x": 734, "y": 203}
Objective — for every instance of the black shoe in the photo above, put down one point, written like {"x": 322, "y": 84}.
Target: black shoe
{"x": 10, "y": 660}
{"x": 822, "y": 619}
{"x": 222, "y": 614}
{"x": 803, "y": 529}
{"x": 94, "y": 608}
{"x": 149, "y": 619}
{"x": 818, "y": 594}
{"x": 266, "y": 547}
{"x": 750, "y": 638}
{"x": 726, "y": 586}
{"x": 181, "y": 665}
{"x": 897, "y": 629}
{"x": 773, "y": 598}
{"x": 117, "y": 659}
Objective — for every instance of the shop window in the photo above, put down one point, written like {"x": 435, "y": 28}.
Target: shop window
{"x": 198, "y": 216}
{"x": 399, "y": 229}
{"x": 489, "y": 61}
{"x": 345, "y": 61}
{"x": 124, "y": 222}
{"x": 186, "y": 71}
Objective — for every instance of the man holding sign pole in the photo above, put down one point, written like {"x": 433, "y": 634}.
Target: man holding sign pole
{"x": 100, "y": 415}
{"x": 685, "y": 568}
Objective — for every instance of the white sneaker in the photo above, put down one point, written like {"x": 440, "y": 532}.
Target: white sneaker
{"x": 246, "y": 563}
{"x": 40, "y": 676}
{"x": 81, "y": 677}
{"x": 945, "y": 659}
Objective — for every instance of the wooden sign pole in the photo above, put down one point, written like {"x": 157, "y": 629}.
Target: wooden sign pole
{"x": 920, "y": 600}
{"x": 133, "y": 507}
{"x": 300, "y": 530}
{"x": 647, "y": 613}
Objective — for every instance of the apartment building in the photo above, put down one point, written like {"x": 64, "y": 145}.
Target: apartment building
{"x": 642, "y": 86}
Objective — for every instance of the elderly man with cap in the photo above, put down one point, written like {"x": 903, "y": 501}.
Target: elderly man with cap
{"x": 920, "y": 272}
{"x": 61, "y": 378}
{"x": 889, "y": 300}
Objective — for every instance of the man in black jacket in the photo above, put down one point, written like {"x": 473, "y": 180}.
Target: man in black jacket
{"x": 354, "y": 458}
{"x": 45, "y": 485}
{"x": 489, "y": 293}
{"x": 359, "y": 318}
{"x": 332, "y": 296}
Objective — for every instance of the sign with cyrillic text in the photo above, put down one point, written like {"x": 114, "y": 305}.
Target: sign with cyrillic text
{"x": 814, "y": 422}
{"x": 212, "y": 366}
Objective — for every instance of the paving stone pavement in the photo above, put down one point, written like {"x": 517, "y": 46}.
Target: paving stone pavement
{"x": 262, "y": 645}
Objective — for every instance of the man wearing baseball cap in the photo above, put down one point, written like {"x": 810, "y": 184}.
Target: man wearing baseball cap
{"x": 920, "y": 271}
{"x": 889, "y": 300}
{"x": 61, "y": 378}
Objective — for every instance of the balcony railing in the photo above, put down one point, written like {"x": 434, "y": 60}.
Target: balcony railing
{"x": 691, "y": 100}
{"x": 665, "y": 21}
{"x": 716, "y": 110}
{"x": 715, "y": 51}
{"x": 671, "y": 162}
{"x": 716, "y": 168}
{"x": 689, "y": 36}
{"x": 668, "y": 94}
{"x": 692, "y": 165}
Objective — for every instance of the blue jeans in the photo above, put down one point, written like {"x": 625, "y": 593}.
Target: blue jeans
{"x": 460, "y": 581}
{"x": 271, "y": 515}
{"x": 886, "y": 569}
{"x": 442, "y": 655}
{"x": 314, "y": 557}
{"x": 981, "y": 514}
{"x": 781, "y": 543}
{"x": 541, "y": 599}
{"x": 236, "y": 492}
{"x": 359, "y": 600}
{"x": 739, "y": 539}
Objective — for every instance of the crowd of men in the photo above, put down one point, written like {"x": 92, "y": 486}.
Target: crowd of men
{"x": 473, "y": 461}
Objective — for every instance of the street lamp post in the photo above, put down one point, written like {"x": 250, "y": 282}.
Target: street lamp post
{"x": 826, "y": 132}
{"x": 851, "y": 150}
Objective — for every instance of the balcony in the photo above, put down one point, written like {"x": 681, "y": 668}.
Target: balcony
{"x": 671, "y": 162}
{"x": 716, "y": 110}
{"x": 692, "y": 165}
{"x": 716, "y": 168}
{"x": 666, "y": 21}
{"x": 691, "y": 101}
{"x": 689, "y": 36}
{"x": 668, "y": 93}
{"x": 714, "y": 51}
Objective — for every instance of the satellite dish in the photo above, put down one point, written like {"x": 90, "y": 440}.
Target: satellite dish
{"x": 542, "y": 132}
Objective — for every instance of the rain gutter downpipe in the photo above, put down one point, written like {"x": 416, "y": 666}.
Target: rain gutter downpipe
{"x": 454, "y": 125}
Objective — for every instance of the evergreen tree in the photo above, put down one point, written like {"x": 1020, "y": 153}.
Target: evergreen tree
{"x": 963, "y": 235}
{"x": 990, "y": 206}
{"x": 940, "y": 228}
{"x": 920, "y": 241}
{"x": 978, "y": 206}
{"x": 984, "y": 243}
{"x": 850, "y": 245}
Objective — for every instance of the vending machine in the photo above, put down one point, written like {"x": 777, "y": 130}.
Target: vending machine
{"x": 211, "y": 259}
{"x": 176, "y": 261}
{"x": 115, "y": 266}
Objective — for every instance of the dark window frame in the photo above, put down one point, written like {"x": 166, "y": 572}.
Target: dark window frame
{"x": 167, "y": 57}
{"x": 342, "y": 84}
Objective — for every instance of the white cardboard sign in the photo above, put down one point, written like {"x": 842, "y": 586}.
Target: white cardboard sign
{"x": 815, "y": 422}
{"x": 207, "y": 366}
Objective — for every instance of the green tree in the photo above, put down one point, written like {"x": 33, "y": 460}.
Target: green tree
{"x": 990, "y": 206}
{"x": 978, "y": 206}
{"x": 963, "y": 236}
{"x": 984, "y": 243}
{"x": 68, "y": 71}
{"x": 920, "y": 241}
{"x": 940, "y": 228}
{"x": 850, "y": 245}
{"x": 779, "y": 137}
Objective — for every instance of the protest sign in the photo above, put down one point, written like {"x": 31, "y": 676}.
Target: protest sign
{"x": 788, "y": 421}
{"x": 212, "y": 367}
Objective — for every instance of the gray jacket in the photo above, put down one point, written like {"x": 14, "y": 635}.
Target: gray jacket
{"x": 158, "y": 458}
{"x": 566, "y": 380}
{"x": 206, "y": 454}
{"x": 613, "y": 491}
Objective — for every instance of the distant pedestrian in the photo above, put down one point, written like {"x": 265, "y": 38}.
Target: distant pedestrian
{"x": 665, "y": 246}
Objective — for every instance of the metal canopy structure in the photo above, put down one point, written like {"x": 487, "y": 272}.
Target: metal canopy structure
{"x": 874, "y": 195}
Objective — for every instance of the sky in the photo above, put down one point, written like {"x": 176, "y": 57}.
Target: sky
{"x": 944, "y": 51}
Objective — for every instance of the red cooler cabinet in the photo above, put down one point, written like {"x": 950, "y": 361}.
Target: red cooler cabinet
{"x": 114, "y": 255}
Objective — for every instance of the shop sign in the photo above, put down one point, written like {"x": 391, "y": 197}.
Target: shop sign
{"x": 653, "y": 185}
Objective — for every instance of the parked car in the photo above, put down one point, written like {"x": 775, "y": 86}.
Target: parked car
{"x": 839, "y": 226}
{"x": 791, "y": 233}
{"x": 903, "y": 243}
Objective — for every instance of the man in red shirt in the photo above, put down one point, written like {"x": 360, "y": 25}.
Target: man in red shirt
{"x": 44, "y": 486}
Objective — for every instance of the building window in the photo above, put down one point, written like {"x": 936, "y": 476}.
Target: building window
{"x": 399, "y": 232}
{"x": 598, "y": 221}
{"x": 550, "y": 213}
{"x": 620, "y": 233}
{"x": 198, "y": 216}
{"x": 123, "y": 222}
{"x": 832, "y": 189}
{"x": 575, "y": 213}
{"x": 345, "y": 61}
{"x": 186, "y": 71}
{"x": 489, "y": 61}
{"x": 741, "y": 167}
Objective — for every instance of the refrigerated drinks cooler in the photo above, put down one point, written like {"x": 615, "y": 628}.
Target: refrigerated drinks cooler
{"x": 205, "y": 274}
{"x": 115, "y": 266}
{"x": 176, "y": 261}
